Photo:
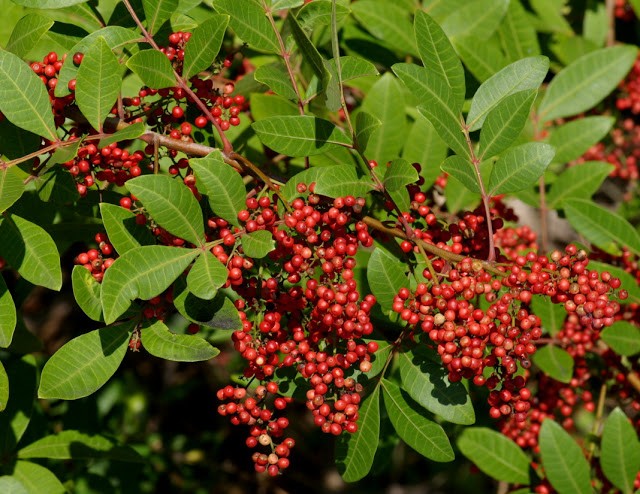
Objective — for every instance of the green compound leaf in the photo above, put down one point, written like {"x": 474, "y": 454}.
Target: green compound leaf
{"x": 9, "y": 318}
{"x": 123, "y": 231}
{"x": 37, "y": 479}
{"x": 623, "y": 337}
{"x": 519, "y": 167}
{"x": 580, "y": 182}
{"x": 438, "y": 104}
{"x": 399, "y": 174}
{"x": 4, "y": 387}
{"x": 586, "y": 82}
{"x": 518, "y": 76}
{"x": 143, "y": 273}
{"x": 258, "y": 244}
{"x": 300, "y": 135}
{"x": 422, "y": 434}
{"x": 206, "y": 275}
{"x": 620, "y": 451}
{"x": 428, "y": 384}
{"x": 27, "y": 32}
{"x": 156, "y": 12}
{"x": 386, "y": 276}
{"x": 98, "y": 83}
{"x": 600, "y": 226}
{"x": 563, "y": 461}
{"x": 222, "y": 185}
{"x": 248, "y": 20}
{"x": 552, "y": 315}
{"x": 573, "y": 138}
{"x": 495, "y": 454}
{"x": 84, "y": 364}
{"x": 153, "y": 68}
{"x": 86, "y": 291}
{"x": 171, "y": 205}
{"x": 11, "y": 485}
{"x": 23, "y": 97}
{"x": 555, "y": 362}
{"x": 462, "y": 169}
{"x": 438, "y": 54}
{"x": 366, "y": 126}
{"x": 204, "y": 45}
{"x": 355, "y": 452}
{"x": 276, "y": 77}
{"x": 505, "y": 122}
{"x": 23, "y": 375}
{"x": 160, "y": 342}
{"x": 129, "y": 132}
{"x": 74, "y": 445}
{"x": 29, "y": 249}
{"x": 341, "y": 180}
{"x": 479, "y": 18}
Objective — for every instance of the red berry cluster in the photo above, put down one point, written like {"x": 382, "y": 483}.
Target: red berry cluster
{"x": 623, "y": 11}
{"x": 96, "y": 261}
{"x": 48, "y": 71}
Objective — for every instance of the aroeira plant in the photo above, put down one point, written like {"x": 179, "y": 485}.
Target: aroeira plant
{"x": 330, "y": 191}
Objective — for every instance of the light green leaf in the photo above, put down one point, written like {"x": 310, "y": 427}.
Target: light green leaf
{"x": 276, "y": 77}
{"x": 171, "y": 205}
{"x": 23, "y": 97}
{"x": 286, "y": 4}
{"x": 86, "y": 291}
{"x": 422, "y": 434}
{"x": 143, "y": 273}
{"x": 482, "y": 58}
{"x": 351, "y": 67}
{"x": 37, "y": 479}
{"x": 23, "y": 375}
{"x": 580, "y": 181}
{"x": 11, "y": 485}
{"x": 437, "y": 104}
{"x": 573, "y": 138}
{"x": 596, "y": 24}
{"x": 505, "y": 122}
{"x": 342, "y": 180}
{"x": 257, "y": 244}
{"x": 355, "y": 452}
{"x": 555, "y": 362}
{"x": 123, "y": 231}
{"x": 129, "y": 132}
{"x": 424, "y": 146}
{"x": 98, "y": 83}
{"x": 74, "y": 445}
{"x": 550, "y": 18}
{"x": 9, "y": 318}
{"x": 438, "y": 54}
{"x": 270, "y": 105}
{"x": 222, "y": 185}
{"x": 300, "y": 135}
{"x": 517, "y": 35}
{"x": 623, "y": 337}
{"x": 495, "y": 454}
{"x": 84, "y": 364}
{"x": 47, "y": 4}
{"x": 399, "y": 174}
{"x": 366, "y": 125}
{"x": 600, "y": 226}
{"x": 318, "y": 13}
{"x": 386, "y": 276}
{"x": 552, "y": 315}
{"x": 570, "y": 48}
{"x": 4, "y": 388}
{"x": 204, "y": 45}
{"x": 27, "y": 33}
{"x": 388, "y": 22}
{"x": 29, "y": 249}
{"x": 563, "y": 461}
{"x": 428, "y": 384}
{"x": 160, "y": 342}
{"x": 586, "y": 82}
{"x": 463, "y": 170}
{"x": 519, "y": 167}
{"x": 479, "y": 18}
{"x": 620, "y": 451}
{"x": 156, "y": 12}
{"x": 153, "y": 68}
{"x": 518, "y": 76}
{"x": 248, "y": 20}
{"x": 206, "y": 275}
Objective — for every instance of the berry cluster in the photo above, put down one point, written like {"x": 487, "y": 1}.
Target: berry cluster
{"x": 96, "y": 261}
{"x": 48, "y": 71}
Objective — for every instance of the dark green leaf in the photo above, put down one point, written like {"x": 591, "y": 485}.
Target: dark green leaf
{"x": 342, "y": 180}
{"x": 162, "y": 343}
{"x": 171, "y": 205}
{"x": 563, "y": 461}
{"x": 265, "y": 106}
{"x": 495, "y": 454}
{"x": 156, "y": 12}
{"x": 23, "y": 375}
{"x": 552, "y": 315}
{"x": 27, "y": 33}
{"x": 355, "y": 452}
{"x": 366, "y": 125}
{"x": 517, "y": 35}
{"x": 555, "y": 362}
{"x": 223, "y": 186}
{"x": 623, "y": 337}
{"x": 258, "y": 244}
{"x": 16, "y": 142}
{"x": 23, "y": 97}
{"x": 206, "y": 275}
{"x": 9, "y": 318}
{"x": 153, "y": 68}
{"x": 219, "y": 313}
{"x": 276, "y": 77}
{"x": 422, "y": 434}
{"x": 204, "y": 45}
{"x": 248, "y": 20}
{"x": 143, "y": 273}
{"x": 425, "y": 146}
{"x": 37, "y": 479}
{"x": 580, "y": 181}
{"x": 519, "y": 167}
{"x": 479, "y": 18}
{"x": 4, "y": 387}
{"x": 586, "y": 82}
{"x": 86, "y": 291}
{"x": 463, "y": 170}
{"x": 98, "y": 83}
{"x": 123, "y": 231}
{"x": 29, "y": 249}
{"x": 600, "y": 226}
{"x": 573, "y": 138}
{"x": 84, "y": 364}
{"x": 399, "y": 174}
{"x": 620, "y": 451}
{"x": 386, "y": 276}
